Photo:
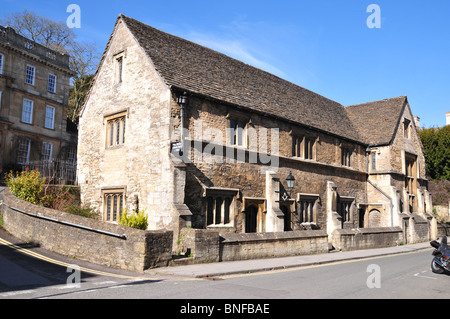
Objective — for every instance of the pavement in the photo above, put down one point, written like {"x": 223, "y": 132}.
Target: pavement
{"x": 222, "y": 269}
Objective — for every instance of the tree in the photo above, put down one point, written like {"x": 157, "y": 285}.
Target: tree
{"x": 84, "y": 56}
{"x": 436, "y": 144}
{"x": 77, "y": 95}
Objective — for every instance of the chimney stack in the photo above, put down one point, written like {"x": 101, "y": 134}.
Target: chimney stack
{"x": 448, "y": 118}
{"x": 417, "y": 122}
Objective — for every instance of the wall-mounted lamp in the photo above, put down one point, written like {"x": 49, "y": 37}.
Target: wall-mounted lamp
{"x": 290, "y": 181}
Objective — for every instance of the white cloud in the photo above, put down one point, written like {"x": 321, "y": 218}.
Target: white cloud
{"x": 241, "y": 50}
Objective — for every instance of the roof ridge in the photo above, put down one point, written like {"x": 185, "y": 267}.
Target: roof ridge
{"x": 228, "y": 57}
{"x": 382, "y": 100}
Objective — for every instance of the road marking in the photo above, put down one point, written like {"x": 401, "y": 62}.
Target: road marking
{"x": 16, "y": 293}
{"x": 293, "y": 268}
{"x": 57, "y": 262}
{"x": 421, "y": 276}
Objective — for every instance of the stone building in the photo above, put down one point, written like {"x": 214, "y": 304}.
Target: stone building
{"x": 34, "y": 90}
{"x": 244, "y": 131}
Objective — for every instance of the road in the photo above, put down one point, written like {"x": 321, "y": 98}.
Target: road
{"x": 28, "y": 272}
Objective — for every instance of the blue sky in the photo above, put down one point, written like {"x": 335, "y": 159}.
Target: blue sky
{"x": 324, "y": 45}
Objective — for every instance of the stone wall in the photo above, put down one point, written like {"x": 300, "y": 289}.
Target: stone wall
{"x": 366, "y": 238}
{"x": 421, "y": 229}
{"x": 202, "y": 244}
{"x": 207, "y": 127}
{"x": 139, "y": 251}
{"x": 141, "y": 165}
{"x": 273, "y": 245}
{"x": 210, "y": 246}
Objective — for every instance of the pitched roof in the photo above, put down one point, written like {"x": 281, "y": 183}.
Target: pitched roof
{"x": 195, "y": 68}
{"x": 377, "y": 121}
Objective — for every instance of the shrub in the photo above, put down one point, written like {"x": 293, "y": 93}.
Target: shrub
{"x": 440, "y": 191}
{"x": 137, "y": 220}
{"x": 26, "y": 185}
{"x": 81, "y": 211}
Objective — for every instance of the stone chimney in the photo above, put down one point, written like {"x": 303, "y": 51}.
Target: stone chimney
{"x": 417, "y": 122}
{"x": 448, "y": 118}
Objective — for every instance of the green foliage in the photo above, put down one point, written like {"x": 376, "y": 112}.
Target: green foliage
{"x": 137, "y": 220}
{"x": 26, "y": 185}
{"x": 441, "y": 191}
{"x": 436, "y": 144}
{"x": 81, "y": 211}
{"x": 58, "y": 197}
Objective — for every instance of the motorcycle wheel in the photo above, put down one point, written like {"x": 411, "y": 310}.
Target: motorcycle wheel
{"x": 436, "y": 268}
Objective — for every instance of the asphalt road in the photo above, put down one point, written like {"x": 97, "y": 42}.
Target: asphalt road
{"x": 28, "y": 272}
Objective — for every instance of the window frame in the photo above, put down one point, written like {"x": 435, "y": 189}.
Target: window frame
{"x": 114, "y": 202}
{"x": 304, "y": 147}
{"x": 115, "y": 135}
{"x": 19, "y": 150}
{"x": 410, "y": 181}
{"x": 50, "y": 82}
{"x": 46, "y": 153}
{"x": 373, "y": 161}
{"x": 345, "y": 208}
{"x": 52, "y": 127}
{"x": 406, "y": 128}
{"x": 2, "y": 62}
{"x": 31, "y": 105}
{"x": 220, "y": 207}
{"x": 33, "y": 75}
{"x": 346, "y": 156}
{"x": 311, "y": 201}
{"x": 119, "y": 62}
{"x": 237, "y": 132}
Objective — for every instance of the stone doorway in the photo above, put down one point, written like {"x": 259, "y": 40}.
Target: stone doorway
{"x": 251, "y": 217}
{"x": 374, "y": 218}
{"x": 255, "y": 215}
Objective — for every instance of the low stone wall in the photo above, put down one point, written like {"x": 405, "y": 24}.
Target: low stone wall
{"x": 210, "y": 246}
{"x": 270, "y": 245}
{"x": 202, "y": 244}
{"x": 366, "y": 238}
{"x": 421, "y": 229}
{"x": 138, "y": 251}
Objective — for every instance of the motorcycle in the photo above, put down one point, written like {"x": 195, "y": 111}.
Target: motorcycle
{"x": 441, "y": 253}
